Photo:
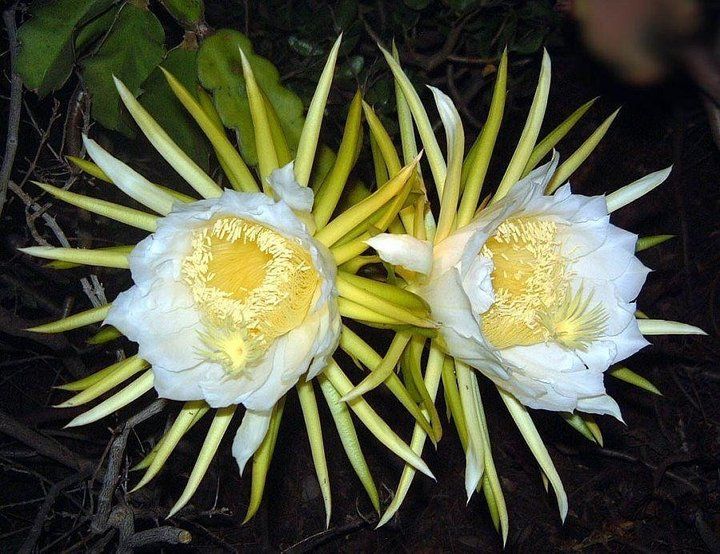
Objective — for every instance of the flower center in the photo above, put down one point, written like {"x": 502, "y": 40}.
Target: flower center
{"x": 534, "y": 301}
{"x": 252, "y": 285}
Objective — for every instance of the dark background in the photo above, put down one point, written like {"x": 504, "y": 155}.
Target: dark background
{"x": 653, "y": 487}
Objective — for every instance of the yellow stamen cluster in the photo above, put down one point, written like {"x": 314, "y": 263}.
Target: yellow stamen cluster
{"x": 252, "y": 285}
{"x": 534, "y": 302}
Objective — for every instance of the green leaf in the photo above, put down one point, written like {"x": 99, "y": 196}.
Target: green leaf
{"x": 130, "y": 51}
{"x": 46, "y": 53}
{"x": 159, "y": 100}
{"x": 220, "y": 70}
{"x": 187, "y": 12}
{"x": 92, "y": 31}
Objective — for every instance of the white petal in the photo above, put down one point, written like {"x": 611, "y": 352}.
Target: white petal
{"x": 629, "y": 341}
{"x": 536, "y": 181}
{"x": 632, "y": 280}
{"x": 599, "y": 355}
{"x": 403, "y": 250}
{"x": 224, "y": 390}
{"x": 163, "y": 322}
{"x": 450, "y": 305}
{"x": 329, "y": 336}
{"x": 448, "y": 253}
{"x": 283, "y": 183}
{"x": 477, "y": 283}
{"x": 578, "y": 240}
{"x": 184, "y": 385}
{"x": 602, "y": 404}
{"x": 249, "y": 436}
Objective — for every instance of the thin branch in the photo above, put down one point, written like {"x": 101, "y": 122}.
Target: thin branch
{"x": 100, "y": 522}
{"x": 42, "y": 514}
{"x": 15, "y": 106}
{"x": 45, "y": 446}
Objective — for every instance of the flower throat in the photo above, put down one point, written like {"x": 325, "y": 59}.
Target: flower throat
{"x": 252, "y": 285}
{"x": 534, "y": 302}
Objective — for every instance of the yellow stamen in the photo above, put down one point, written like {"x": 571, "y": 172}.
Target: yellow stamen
{"x": 252, "y": 285}
{"x": 534, "y": 302}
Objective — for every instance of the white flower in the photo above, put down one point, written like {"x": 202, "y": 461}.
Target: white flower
{"x": 233, "y": 302}
{"x": 537, "y": 293}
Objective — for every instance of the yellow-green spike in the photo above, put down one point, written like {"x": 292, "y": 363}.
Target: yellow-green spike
{"x": 594, "y": 428}
{"x": 361, "y": 296}
{"x": 150, "y": 456}
{"x": 311, "y": 129}
{"x": 358, "y": 312}
{"x": 308, "y": 403}
{"x": 356, "y": 264}
{"x": 381, "y": 172}
{"x": 217, "y": 430}
{"x": 123, "y": 214}
{"x": 167, "y": 148}
{"x": 204, "y": 100}
{"x": 383, "y": 140}
{"x": 576, "y": 421}
{"x": 348, "y": 437}
{"x": 207, "y": 118}
{"x": 452, "y": 395}
{"x": 374, "y": 423}
{"x": 90, "y": 168}
{"x": 491, "y": 483}
{"x": 629, "y": 376}
{"x": 180, "y": 426}
{"x": 405, "y": 121}
{"x": 102, "y": 258}
{"x": 130, "y": 181}
{"x": 364, "y": 354}
{"x": 530, "y": 132}
{"x": 379, "y": 373}
{"x": 267, "y": 158}
{"x": 329, "y": 192}
{"x": 282, "y": 150}
{"x": 346, "y": 221}
{"x": 207, "y": 105}
{"x": 664, "y": 327}
{"x": 629, "y": 193}
{"x": 569, "y": 166}
{"x": 527, "y": 429}
{"x": 131, "y": 392}
{"x": 75, "y": 321}
{"x": 471, "y": 404}
{"x": 96, "y": 377}
{"x": 478, "y": 162}
{"x": 392, "y": 293}
{"x": 644, "y": 243}
{"x": 422, "y": 122}
{"x": 555, "y": 136}
{"x": 433, "y": 372}
{"x": 262, "y": 459}
{"x": 413, "y": 365}
{"x": 122, "y": 372}
{"x": 56, "y": 264}
{"x": 106, "y": 334}
{"x": 356, "y": 247}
